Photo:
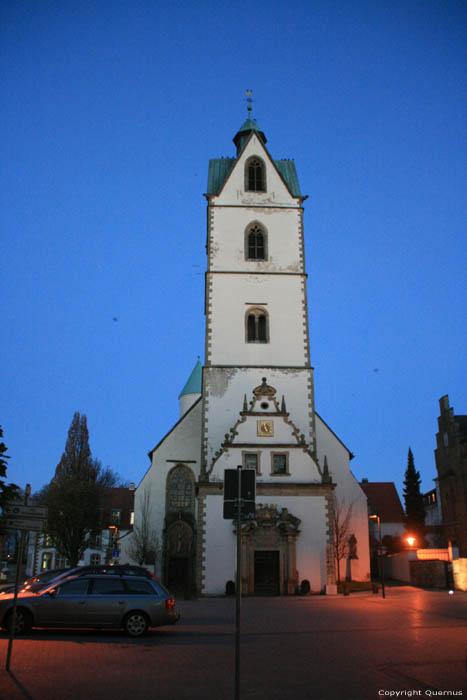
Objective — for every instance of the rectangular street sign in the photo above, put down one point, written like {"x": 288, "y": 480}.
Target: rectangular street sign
{"x": 24, "y": 524}
{"x": 248, "y": 492}
{"x": 12, "y": 510}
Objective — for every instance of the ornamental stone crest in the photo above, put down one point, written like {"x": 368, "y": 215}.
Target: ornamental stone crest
{"x": 264, "y": 389}
{"x": 272, "y": 517}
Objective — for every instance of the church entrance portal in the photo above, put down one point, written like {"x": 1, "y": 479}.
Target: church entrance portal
{"x": 269, "y": 559}
{"x": 178, "y": 577}
{"x": 267, "y": 573}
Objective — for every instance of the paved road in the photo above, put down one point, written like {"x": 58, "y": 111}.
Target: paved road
{"x": 343, "y": 648}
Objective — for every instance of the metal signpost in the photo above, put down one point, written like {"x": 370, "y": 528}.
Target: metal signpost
{"x": 24, "y": 518}
{"x": 239, "y": 500}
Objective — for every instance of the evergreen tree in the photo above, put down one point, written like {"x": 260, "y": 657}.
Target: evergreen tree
{"x": 74, "y": 495}
{"x": 414, "y": 510}
{"x": 7, "y": 491}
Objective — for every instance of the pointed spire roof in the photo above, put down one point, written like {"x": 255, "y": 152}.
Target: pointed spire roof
{"x": 194, "y": 383}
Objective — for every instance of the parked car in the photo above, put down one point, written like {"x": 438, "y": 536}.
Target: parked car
{"x": 133, "y": 603}
{"x": 39, "y": 582}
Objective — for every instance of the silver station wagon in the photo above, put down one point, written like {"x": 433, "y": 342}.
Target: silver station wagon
{"x": 128, "y": 602}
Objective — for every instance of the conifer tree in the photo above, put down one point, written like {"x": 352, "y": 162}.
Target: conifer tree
{"x": 74, "y": 495}
{"x": 7, "y": 491}
{"x": 414, "y": 510}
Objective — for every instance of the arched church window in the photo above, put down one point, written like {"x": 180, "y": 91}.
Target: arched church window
{"x": 180, "y": 489}
{"x": 255, "y": 175}
{"x": 255, "y": 243}
{"x": 256, "y": 326}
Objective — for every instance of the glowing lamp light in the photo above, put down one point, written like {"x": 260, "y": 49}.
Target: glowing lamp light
{"x": 411, "y": 541}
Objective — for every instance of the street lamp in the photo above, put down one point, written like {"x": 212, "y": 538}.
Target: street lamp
{"x": 380, "y": 553}
{"x": 113, "y": 538}
{"x": 411, "y": 540}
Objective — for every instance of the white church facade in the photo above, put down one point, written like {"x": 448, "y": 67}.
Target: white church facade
{"x": 252, "y": 403}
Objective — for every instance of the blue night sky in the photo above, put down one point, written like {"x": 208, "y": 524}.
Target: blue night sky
{"x": 110, "y": 111}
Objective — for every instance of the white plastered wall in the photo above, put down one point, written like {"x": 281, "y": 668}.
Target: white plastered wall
{"x": 348, "y": 492}
{"x": 220, "y": 543}
{"x": 225, "y": 389}
{"x": 282, "y": 227}
{"x": 280, "y": 296}
{"x": 181, "y": 445}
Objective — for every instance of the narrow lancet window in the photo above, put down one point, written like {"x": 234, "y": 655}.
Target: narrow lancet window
{"x": 255, "y": 175}
{"x": 256, "y": 326}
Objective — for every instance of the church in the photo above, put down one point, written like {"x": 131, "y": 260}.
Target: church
{"x": 252, "y": 403}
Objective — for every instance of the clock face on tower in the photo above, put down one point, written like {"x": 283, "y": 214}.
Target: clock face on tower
{"x": 265, "y": 428}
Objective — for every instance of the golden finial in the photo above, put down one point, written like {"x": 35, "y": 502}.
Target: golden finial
{"x": 249, "y": 99}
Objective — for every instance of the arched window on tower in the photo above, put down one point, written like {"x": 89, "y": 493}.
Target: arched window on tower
{"x": 255, "y": 175}
{"x": 257, "y": 330}
{"x": 255, "y": 243}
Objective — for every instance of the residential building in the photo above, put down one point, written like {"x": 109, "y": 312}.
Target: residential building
{"x": 451, "y": 466}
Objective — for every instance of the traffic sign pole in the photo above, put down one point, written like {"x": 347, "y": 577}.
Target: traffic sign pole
{"x": 239, "y": 585}
{"x": 19, "y": 561}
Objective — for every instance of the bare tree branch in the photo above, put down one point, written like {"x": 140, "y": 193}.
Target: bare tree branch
{"x": 144, "y": 546}
{"x": 342, "y": 515}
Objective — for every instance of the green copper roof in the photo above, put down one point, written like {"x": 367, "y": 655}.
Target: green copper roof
{"x": 194, "y": 383}
{"x": 249, "y": 125}
{"x": 219, "y": 170}
{"x": 289, "y": 174}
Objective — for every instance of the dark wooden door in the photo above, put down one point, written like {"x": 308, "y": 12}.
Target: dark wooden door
{"x": 267, "y": 573}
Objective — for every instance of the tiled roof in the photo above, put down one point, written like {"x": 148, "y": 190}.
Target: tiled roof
{"x": 384, "y": 501}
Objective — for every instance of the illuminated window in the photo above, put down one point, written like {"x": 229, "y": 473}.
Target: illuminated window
{"x": 95, "y": 559}
{"x": 46, "y": 562}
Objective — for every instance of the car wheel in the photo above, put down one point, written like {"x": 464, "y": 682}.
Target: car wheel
{"x": 23, "y": 621}
{"x": 136, "y": 624}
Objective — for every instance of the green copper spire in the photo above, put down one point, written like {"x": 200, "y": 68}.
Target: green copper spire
{"x": 194, "y": 383}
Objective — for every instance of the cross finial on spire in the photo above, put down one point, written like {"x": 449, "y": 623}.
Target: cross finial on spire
{"x": 249, "y": 99}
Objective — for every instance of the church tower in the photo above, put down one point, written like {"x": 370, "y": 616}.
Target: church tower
{"x": 256, "y": 305}
{"x": 254, "y": 404}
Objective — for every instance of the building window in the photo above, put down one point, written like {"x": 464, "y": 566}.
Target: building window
{"x": 48, "y": 541}
{"x": 256, "y": 326}
{"x": 279, "y": 463}
{"x": 251, "y": 460}
{"x": 46, "y": 562}
{"x": 95, "y": 559}
{"x": 95, "y": 540}
{"x": 180, "y": 489}
{"x": 61, "y": 562}
{"x": 255, "y": 243}
{"x": 255, "y": 175}
{"x": 115, "y": 515}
